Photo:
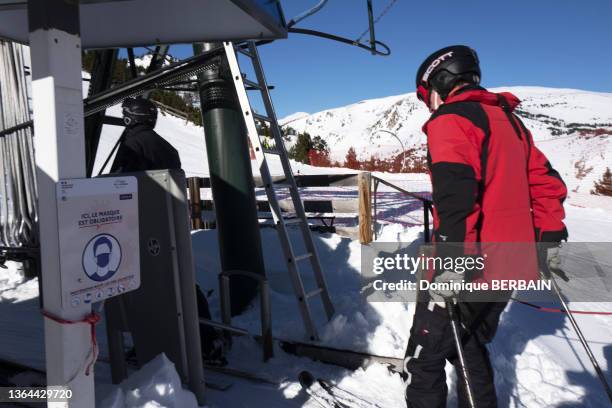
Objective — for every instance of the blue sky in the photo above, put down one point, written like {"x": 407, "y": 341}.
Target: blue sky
{"x": 539, "y": 42}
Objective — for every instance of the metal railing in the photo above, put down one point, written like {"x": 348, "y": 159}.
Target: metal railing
{"x": 321, "y": 209}
{"x": 198, "y": 205}
{"x": 427, "y": 205}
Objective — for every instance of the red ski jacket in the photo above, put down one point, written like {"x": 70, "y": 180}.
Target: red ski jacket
{"x": 490, "y": 183}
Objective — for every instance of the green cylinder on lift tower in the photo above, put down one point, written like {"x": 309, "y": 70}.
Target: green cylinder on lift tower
{"x": 231, "y": 177}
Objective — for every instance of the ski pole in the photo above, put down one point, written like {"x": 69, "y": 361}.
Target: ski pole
{"x": 454, "y": 321}
{"x": 111, "y": 154}
{"x": 586, "y": 346}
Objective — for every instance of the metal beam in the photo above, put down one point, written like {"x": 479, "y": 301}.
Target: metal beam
{"x": 113, "y": 121}
{"x": 132, "y": 62}
{"x": 101, "y": 79}
{"x": 170, "y": 74}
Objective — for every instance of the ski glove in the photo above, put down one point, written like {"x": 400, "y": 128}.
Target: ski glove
{"x": 550, "y": 260}
{"x": 447, "y": 277}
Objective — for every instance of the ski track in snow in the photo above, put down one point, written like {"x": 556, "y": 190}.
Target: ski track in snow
{"x": 537, "y": 358}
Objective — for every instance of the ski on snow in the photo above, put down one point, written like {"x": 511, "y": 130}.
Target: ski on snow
{"x": 328, "y": 395}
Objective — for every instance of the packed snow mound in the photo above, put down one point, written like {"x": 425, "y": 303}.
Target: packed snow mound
{"x": 156, "y": 384}
{"x": 14, "y": 288}
{"x": 572, "y": 127}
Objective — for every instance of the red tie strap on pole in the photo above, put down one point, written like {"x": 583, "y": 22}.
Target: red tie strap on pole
{"x": 92, "y": 319}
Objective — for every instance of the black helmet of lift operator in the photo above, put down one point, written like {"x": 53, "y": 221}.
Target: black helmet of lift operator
{"x": 139, "y": 111}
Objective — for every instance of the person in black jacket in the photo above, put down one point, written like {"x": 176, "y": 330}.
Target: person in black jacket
{"x": 141, "y": 147}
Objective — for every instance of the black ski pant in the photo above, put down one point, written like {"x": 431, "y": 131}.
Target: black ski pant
{"x": 431, "y": 344}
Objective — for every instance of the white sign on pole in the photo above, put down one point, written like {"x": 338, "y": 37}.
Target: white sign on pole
{"x": 99, "y": 238}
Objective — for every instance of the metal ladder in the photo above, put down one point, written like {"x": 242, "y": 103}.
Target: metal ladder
{"x": 249, "y": 49}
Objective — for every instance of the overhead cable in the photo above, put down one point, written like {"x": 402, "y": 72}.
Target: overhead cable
{"x": 384, "y": 52}
{"x": 385, "y": 11}
{"x": 306, "y": 13}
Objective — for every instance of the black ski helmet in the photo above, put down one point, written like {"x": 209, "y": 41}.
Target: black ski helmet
{"x": 445, "y": 68}
{"x": 138, "y": 110}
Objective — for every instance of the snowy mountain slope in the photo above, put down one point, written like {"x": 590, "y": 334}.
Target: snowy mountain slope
{"x": 145, "y": 60}
{"x": 287, "y": 120}
{"x": 188, "y": 139}
{"x": 572, "y": 127}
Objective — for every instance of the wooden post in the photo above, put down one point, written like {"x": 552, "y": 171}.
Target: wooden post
{"x": 364, "y": 184}
{"x": 195, "y": 202}
{"x": 375, "y": 212}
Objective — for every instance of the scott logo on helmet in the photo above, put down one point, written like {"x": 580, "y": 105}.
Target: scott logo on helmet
{"x": 435, "y": 63}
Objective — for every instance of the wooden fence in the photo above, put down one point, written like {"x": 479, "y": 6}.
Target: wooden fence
{"x": 363, "y": 208}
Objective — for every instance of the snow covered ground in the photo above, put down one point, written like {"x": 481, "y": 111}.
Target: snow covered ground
{"x": 537, "y": 358}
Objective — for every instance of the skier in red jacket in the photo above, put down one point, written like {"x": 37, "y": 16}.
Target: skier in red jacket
{"x": 490, "y": 185}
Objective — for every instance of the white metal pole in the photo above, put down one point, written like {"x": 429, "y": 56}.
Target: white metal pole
{"x": 55, "y": 47}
